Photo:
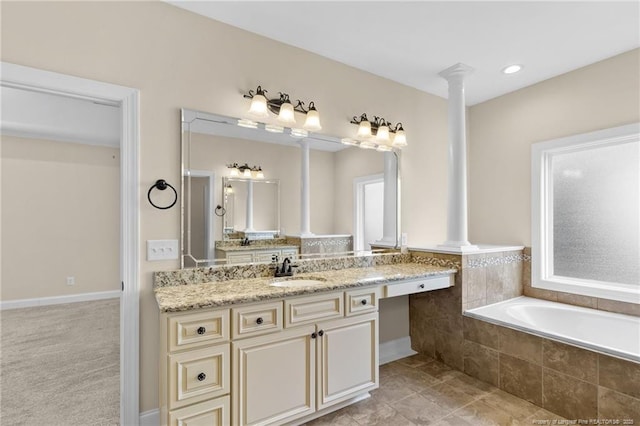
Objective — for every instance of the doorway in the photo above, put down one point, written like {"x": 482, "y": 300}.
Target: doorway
{"x": 368, "y": 211}
{"x": 126, "y": 100}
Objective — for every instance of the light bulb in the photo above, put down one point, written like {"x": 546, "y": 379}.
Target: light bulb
{"x": 364, "y": 129}
{"x": 286, "y": 115}
{"x": 258, "y": 106}
{"x": 512, "y": 69}
{"x": 400, "y": 140}
{"x": 312, "y": 122}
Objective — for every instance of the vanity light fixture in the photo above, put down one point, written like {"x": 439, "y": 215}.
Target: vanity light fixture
{"x": 283, "y": 108}
{"x": 228, "y": 189}
{"x": 378, "y": 134}
{"x": 512, "y": 69}
{"x": 245, "y": 171}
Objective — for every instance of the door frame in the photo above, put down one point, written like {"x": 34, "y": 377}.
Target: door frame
{"x": 128, "y": 99}
{"x": 358, "y": 207}
{"x": 209, "y": 204}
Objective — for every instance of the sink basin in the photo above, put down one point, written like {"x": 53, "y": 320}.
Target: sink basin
{"x": 297, "y": 282}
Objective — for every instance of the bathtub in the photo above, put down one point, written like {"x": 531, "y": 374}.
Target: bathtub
{"x": 609, "y": 333}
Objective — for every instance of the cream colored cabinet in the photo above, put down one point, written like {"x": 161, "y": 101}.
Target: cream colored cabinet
{"x": 253, "y": 255}
{"x": 274, "y": 377}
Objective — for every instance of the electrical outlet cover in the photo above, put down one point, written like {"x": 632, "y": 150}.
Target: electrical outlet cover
{"x": 162, "y": 249}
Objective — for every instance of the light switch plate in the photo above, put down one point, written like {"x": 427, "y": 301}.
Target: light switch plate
{"x": 162, "y": 249}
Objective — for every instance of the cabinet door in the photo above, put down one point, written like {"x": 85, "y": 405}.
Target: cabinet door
{"x": 347, "y": 358}
{"x": 209, "y": 413}
{"x": 273, "y": 377}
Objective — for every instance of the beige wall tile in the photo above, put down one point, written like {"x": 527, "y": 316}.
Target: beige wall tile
{"x": 473, "y": 304}
{"x": 575, "y": 362}
{"x": 481, "y": 362}
{"x": 451, "y": 323}
{"x": 577, "y": 300}
{"x": 482, "y": 332}
{"x": 449, "y": 349}
{"x": 495, "y": 277}
{"x": 616, "y": 405}
{"x": 474, "y": 284}
{"x": 569, "y": 397}
{"x": 620, "y": 307}
{"x": 521, "y": 378}
{"x": 513, "y": 286}
{"x": 539, "y": 293}
{"x": 619, "y": 375}
{"x": 521, "y": 345}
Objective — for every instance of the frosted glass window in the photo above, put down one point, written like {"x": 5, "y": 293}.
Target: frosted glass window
{"x": 596, "y": 228}
{"x": 585, "y": 214}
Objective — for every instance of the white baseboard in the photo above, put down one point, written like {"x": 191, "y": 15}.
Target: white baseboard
{"x": 150, "y": 418}
{"x": 395, "y": 349}
{"x": 57, "y": 300}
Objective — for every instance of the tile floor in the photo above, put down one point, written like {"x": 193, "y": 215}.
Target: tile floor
{"x": 422, "y": 391}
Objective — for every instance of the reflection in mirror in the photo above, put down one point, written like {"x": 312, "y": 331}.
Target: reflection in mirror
{"x": 353, "y": 199}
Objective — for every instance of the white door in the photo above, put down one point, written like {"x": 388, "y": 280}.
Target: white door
{"x": 368, "y": 211}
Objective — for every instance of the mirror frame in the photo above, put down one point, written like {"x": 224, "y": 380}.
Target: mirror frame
{"x": 192, "y": 115}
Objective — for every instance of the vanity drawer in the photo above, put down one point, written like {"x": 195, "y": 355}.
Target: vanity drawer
{"x": 198, "y": 329}
{"x": 239, "y": 258}
{"x": 306, "y": 310}
{"x": 254, "y": 320}
{"x": 265, "y": 256}
{"x": 213, "y": 413}
{"x": 418, "y": 285}
{"x": 198, "y": 375}
{"x": 362, "y": 300}
{"x": 290, "y": 253}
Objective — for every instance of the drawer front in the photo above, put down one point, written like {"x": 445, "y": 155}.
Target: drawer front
{"x": 290, "y": 253}
{"x": 306, "y": 310}
{"x": 265, "y": 256}
{"x": 198, "y": 329}
{"x": 239, "y": 257}
{"x": 362, "y": 300}
{"x": 198, "y": 375}
{"x": 418, "y": 285}
{"x": 209, "y": 413}
{"x": 257, "y": 319}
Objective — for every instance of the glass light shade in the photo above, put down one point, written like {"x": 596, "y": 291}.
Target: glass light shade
{"x": 274, "y": 128}
{"x": 228, "y": 189}
{"x": 400, "y": 140}
{"x": 234, "y": 172}
{"x": 364, "y": 129}
{"x": 312, "y": 122}
{"x": 247, "y": 173}
{"x": 286, "y": 115}
{"x": 258, "y": 106}
{"x": 260, "y": 174}
{"x": 383, "y": 134}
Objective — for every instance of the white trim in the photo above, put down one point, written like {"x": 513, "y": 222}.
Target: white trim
{"x": 27, "y": 78}
{"x": 395, "y": 349}
{"x": 57, "y": 300}
{"x": 542, "y": 274}
{"x": 358, "y": 207}
{"x": 150, "y": 418}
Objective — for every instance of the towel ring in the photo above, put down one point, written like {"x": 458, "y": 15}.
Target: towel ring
{"x": 220, "y": 209}
{"x": 161, "y": 185}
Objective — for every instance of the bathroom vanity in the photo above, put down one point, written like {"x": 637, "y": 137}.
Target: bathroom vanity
{"x": 276, "y": 350}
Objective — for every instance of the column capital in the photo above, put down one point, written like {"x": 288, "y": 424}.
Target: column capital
{"x": 457, "y": 71}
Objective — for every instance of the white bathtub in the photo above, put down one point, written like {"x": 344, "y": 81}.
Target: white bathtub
{"x": 600, "y": 331}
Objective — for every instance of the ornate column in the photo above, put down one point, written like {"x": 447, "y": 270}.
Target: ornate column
{"x": 249, "y": 213}
{"x": 305, "y": 197}
{"x": 389, "y": 230}
{"x": 457, "y": 238}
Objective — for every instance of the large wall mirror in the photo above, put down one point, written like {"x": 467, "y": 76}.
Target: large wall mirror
{"x": 245, "y": 215}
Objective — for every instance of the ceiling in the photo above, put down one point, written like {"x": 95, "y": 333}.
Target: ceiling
{"x": 411, "y": 42}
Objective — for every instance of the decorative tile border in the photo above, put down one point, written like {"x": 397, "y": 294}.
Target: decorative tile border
{"x": 485, "y": 262}
{"x": 434, "y": 261}
{"x": 254, "y": 243}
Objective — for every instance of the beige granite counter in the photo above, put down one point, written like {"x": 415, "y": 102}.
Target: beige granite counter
{"x": 221, "y": 293}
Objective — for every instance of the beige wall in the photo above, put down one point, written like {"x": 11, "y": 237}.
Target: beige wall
{"x": 178, "y": 59}
{"x": 501, "y": 131}
{"x": 58, "y": 199}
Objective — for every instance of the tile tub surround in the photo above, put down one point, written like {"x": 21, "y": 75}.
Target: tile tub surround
{"x": 213, "y": 294}
{"x": 239, "y": 272}
{"x": 572, "y": 299}
{"x": 573, "y": 382}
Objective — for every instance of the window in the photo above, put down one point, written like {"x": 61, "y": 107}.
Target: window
{"x": 586, "y": 214}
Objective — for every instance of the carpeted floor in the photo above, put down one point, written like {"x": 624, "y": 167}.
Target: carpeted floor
{"x": 60, "y": 364}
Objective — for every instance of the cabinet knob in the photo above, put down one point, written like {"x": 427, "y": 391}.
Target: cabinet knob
{"x": 321, "y": 333}
{"x": 201, "y": 377}
{"x": 363, "y": 301}
{"x": 259, "y": 320}
{"x": 314, "y": 335}
{"x": 201, "y": 330}
{"x": 421, "y": 285}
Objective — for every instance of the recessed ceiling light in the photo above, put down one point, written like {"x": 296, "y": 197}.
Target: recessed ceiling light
{"x": 512, "y": 69}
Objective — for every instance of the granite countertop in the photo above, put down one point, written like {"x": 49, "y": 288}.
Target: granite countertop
{"x": 222, "y": 293}
{"x": 257, "y": 247}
